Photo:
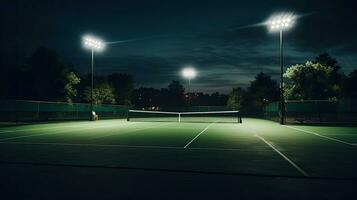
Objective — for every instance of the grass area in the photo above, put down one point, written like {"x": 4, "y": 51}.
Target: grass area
{"x": 256, "y": 148}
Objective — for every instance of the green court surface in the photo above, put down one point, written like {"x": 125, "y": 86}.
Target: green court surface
{"x": 261, "y": 158}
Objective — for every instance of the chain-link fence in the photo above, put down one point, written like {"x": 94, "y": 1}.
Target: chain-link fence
{"x": 314, "y": 111}
{"x": 18, "y": 110}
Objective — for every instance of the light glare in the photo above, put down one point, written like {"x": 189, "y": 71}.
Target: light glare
{"x": 93, "y": 43}
{"x": 189, "y": 73}
{"x": 280, "y": 22}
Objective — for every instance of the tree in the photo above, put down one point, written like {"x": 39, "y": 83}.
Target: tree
{"x": 146, "y": 97}
{"x": 170, "y": 97}
{"x": 15, "y": 82}
{"x": 175, "y": 94}
{"x": 123, "y": 85}
{"x": 336, "y": 77}
{"x": 50, "y": 72}
{"x": 235, "y": 98}
{"x": 264, "y": 87}
{"x": 45, "y": 76}
{"x": 69, "y": 91}
{"x": 103, "y": 93}
{"x": 217, "y": 99}
{"x": 310, "y": 81}
{"x": 349, "y": 88}
{"x": 201, "y": 99}
{"x": 326, "y": 60}
{"x": 262, "y": 90}
{"x": 176, "y": 88}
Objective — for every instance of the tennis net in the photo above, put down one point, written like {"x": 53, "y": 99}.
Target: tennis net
{"x": 209, "y": 116}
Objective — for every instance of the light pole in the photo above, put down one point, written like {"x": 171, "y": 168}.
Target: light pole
{"x": 189, "y": 73}
{"x": 279, "y": 23}
{"x": 94, "y": 44}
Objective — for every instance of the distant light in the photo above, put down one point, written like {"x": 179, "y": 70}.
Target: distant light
{"x": 280, "y": 22}
{"x": 189, "y": 73}
{"x": 93, "y": 43}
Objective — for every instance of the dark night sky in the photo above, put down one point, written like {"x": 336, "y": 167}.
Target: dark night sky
{"x": 205, "y": 34}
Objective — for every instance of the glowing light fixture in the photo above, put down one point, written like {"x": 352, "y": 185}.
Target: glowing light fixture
{"x": 189, "y": 73}
{"x": 93, "y": 43}
{"x": 281, "y": 22}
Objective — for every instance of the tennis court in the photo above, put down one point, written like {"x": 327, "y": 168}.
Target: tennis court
{"x": 255, "y": 150}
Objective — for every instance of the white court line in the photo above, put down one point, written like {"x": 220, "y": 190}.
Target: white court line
{"x": 197, "y": 135}
{"x": 280, "y": 153}
{"x": 44, "y": 128}
{"x": 348, "y": 134}
{"x": 103, "y": 136}
{"x": 284, "y": 156}
{"x": 128, "y": 146}
{"x": 92, "y": 145}
{"x": 326, "y": 137}
{"x": 34, "y": 129}
{"x": 226, "y": 149}
{"x": 35, "y": 135}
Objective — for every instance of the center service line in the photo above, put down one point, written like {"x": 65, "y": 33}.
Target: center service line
{"x": 198, "y": 135}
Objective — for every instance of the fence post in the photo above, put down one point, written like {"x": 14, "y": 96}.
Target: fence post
{"x": 16, "y": 112}
{"x": 38, "y": 111}
{"x": 76, "y": 110}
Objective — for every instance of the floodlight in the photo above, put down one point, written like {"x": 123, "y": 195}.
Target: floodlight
{"x": 280, "y": 22}
{"x": 189, "y": 73}
{"x": 93, "y": 43}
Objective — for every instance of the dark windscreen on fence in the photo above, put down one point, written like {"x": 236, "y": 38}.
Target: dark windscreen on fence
{"x": 314, "y": 111}
{"x": 15, "y": 110}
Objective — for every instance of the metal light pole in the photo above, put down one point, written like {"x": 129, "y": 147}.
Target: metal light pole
{"x": 188, "y": 91}
{"x": 189, "y": 85}
{"x": 282, "y": 99}
{"x": 92, "y": 80}
{"x": 189, "y": 73}
{"x": 95, "y": 45}
{"x": 280, "y": 23}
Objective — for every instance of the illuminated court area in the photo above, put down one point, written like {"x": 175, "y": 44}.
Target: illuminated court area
{"x": 211, "y": 159}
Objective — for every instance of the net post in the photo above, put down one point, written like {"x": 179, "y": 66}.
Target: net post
{"x": 179, "y": 117}
{"x": 127, "y": 116}
{"x": 239, "y": 117}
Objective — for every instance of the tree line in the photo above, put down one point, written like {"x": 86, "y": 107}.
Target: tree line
{"x": 320, "y": 79}
{"x": 45, "y": 76}
{"x": 174, "y": 97}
